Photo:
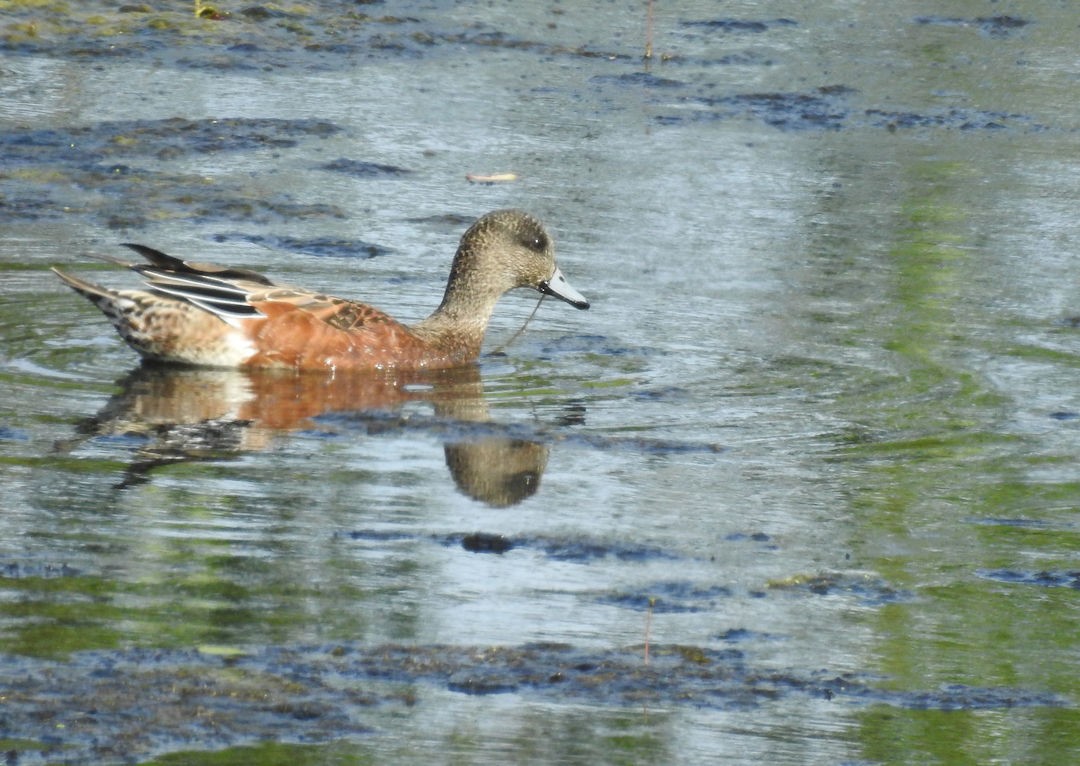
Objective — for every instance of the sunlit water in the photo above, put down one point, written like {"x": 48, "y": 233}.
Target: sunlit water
{"x": 823, "y": 411}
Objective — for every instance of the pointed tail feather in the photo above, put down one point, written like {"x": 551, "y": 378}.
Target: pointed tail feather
{"x": 112, "y": 303}
{"x": 93, "y": 292}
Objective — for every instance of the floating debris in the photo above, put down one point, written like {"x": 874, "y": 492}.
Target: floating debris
{"x": 491, "y": 178}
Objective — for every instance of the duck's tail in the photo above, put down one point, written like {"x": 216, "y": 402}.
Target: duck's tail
{"x": 96, "y": 294}
{"x": 117, "y": 306}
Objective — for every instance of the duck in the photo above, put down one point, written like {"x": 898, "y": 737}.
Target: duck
{"x": 204, "y": 315}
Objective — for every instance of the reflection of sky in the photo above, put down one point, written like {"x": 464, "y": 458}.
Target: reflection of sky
{"x": 38, "y": 89}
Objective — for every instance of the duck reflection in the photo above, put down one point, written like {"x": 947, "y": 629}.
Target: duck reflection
{"x": 186, "y": 414}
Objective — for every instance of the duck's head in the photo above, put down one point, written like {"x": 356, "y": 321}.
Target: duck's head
{"x": 510, "y": 248}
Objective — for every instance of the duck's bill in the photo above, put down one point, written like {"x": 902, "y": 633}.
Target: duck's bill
{"x": 560, "y": 288}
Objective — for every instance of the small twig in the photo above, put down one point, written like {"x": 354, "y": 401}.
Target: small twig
{"x": 521, "y": 329}
{"x": 648, "y": 627}
{"x": 648, "y": 30}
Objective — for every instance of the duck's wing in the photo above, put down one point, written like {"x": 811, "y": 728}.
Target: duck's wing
{"x": 161, "y": 261}
{"x": 236, "y": 295}
{"x": 338, "y": 313}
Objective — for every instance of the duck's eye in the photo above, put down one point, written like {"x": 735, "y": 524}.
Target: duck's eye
{"x": 537, "y": 242}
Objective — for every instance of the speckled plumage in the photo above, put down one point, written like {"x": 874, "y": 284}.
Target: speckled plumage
{"x": 206, "y": 315}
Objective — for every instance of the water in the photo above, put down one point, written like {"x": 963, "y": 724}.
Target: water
{"x": 813, "y": 444}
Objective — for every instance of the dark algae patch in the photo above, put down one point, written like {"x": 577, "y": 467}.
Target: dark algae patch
{"x": 134, "y": 704}
{"x": 670, "y": 597}
{"x": 327, "y": 36}
{"x": 362, "y": 169}
{"x": 739, "y": 26}
{"x": 485, "y": 542}
{"x": 1045, "y": 577}
{"x": 334, "y": 36}
{"x": 579, "y": 550}
{"x": 991, "y": 26}
{"x": 868, "y": 590}
{"x": 117, "y": 174}
{"x": 221, "y": 40}
{"x": 98, "y": 145}
{"x": 834, "y": 108}
{"x": 321, "y": 247}
{"x": 101, "y": 172}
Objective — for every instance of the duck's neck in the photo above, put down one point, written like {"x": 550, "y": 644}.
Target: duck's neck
{"x": 459, "y": 323}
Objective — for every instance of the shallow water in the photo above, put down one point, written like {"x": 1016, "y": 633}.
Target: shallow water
{"x": 800, "y": 487}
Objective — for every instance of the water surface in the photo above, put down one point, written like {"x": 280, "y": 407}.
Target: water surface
{"x": 798, "y": 489}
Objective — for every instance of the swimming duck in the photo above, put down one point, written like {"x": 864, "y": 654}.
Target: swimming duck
{"x": 214, "y": 316}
